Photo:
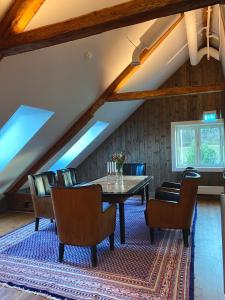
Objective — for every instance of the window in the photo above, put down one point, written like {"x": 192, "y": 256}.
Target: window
{"x": 19, "y": 129}
{"x": 198, "y": 144}
{"x": 92, "y": 133}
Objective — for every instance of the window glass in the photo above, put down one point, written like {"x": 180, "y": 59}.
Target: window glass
{"x": 18, "y": 131}
{"x": 197, "y": 144}
{"x": 186, "y": 150}
{"x": 210, "y": 152}
{"x": 90, "y": 135}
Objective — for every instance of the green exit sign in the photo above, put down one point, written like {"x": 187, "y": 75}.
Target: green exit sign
{"x": 209, "y": 116}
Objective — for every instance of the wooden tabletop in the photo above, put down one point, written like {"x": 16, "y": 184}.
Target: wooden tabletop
{"x": 123, "y": 185}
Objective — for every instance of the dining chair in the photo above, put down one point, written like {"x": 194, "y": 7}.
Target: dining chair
{"x": 66, "y": 177}
{"x": 81, "y": 218}
{"x": 40, "y": 187}
{"x": 177, "y": 185}
{"x": 136, "y": 169}
{"x": 174, "y": 213}
{"x": 165, "y": 191}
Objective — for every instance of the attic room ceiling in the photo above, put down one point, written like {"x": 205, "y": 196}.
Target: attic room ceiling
{"x": 63, "y": 79}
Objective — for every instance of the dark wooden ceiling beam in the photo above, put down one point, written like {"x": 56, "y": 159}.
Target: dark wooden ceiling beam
{"x": 117, "y": 84}
{"x": 129, "y": 13}
{"x": 167, "y": 92}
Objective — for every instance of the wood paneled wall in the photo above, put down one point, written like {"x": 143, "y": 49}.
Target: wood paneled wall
{"x": 146, "y": 135}
{"x": 3, "y": 204}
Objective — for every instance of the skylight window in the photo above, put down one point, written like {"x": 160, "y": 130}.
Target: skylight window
{"x": 18, "y": 131}
{"x": 80, "y": 145}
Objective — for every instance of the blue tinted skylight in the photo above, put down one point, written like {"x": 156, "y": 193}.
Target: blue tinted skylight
{"x": 80, "y": 145}
{"x": 19, "y": 129}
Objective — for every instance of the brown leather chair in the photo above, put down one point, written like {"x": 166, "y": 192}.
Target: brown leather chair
{"x": 177, "y": 185}
{"x": 174, "y": 214}
{"x": 80, "y": 218}
{"x": 40, "y": 185}
{"x": 67, "y": 177}
{"x": 172, "y": 193}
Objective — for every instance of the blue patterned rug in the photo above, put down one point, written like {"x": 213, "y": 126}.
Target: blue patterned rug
{"x": 136, "y": 270}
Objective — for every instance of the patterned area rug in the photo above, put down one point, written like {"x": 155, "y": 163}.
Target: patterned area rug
{"x": 136, "y": 270}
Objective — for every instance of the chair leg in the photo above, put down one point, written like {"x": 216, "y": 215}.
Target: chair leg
{"x": 36, "y": 224}
{"x": 152, "y": 235}
{"x": 61, "y": 252}
{"x": 94, "y": 256}
{"x": 146, "y": 217}
{"x": 142, "y": 198}
{"x": 185, "y": 237}
{"x": 111, "y": 241}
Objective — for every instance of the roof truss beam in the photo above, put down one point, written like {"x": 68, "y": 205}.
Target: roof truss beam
{"x": 18, "y": 16}
{"x": 167, "y": 92}
{"x": 128, "y": 13}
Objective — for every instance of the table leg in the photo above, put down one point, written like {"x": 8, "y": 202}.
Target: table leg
{"x": 147, "y": 192}
{"x": 122, "y": 223}
{"x": 147, "y": 198}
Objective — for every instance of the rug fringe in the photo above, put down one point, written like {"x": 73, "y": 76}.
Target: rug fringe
{"x": 2, "y": 284}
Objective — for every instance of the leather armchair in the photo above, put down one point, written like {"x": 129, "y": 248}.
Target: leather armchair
{"x": 174, "y": 214}
{"x": 40, "y": 185}
{"x": 177, "y": 185}
{"x": 136, "y": 169}
{"x": 67, "y": 177}
{"x": 81, "y": 219}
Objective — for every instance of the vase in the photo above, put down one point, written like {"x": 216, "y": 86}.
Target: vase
{"x": 119, "y": 170}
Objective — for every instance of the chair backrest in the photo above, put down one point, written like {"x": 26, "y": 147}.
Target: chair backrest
{"x": 40, "y": 187}
{"x": 135, "y": 169}
{"x": 189, "y": 171}
{"x": 67, "y": 177}
{"x": 78, "y": 214}
{"x": 188, "y": 194}
{"x": 40, "y": 184}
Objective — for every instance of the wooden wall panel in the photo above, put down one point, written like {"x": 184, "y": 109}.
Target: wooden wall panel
{"x": 3, "y": 204}
{"x": 145, "y": 136}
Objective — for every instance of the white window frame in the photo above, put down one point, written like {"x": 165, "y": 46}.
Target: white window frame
{"x": 173, "y": 146}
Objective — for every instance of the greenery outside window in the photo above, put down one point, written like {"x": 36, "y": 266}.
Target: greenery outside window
{"x": 199, "y": 144}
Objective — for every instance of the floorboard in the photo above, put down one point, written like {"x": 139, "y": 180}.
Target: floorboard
{"x": 208, "y": 252}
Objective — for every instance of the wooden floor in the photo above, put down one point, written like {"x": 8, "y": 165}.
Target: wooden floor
{"x": 208, "y": 253}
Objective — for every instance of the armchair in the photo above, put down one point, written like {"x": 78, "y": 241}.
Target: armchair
{"x": 136, "y": 169}
{"x": 40, "y": 185}
{"x": 177, "y": 185}
{"x": 81, "y": 219}
{"x": 174, "y": 214}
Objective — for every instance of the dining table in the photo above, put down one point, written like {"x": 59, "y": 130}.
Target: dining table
{"x": 118, "y": 189}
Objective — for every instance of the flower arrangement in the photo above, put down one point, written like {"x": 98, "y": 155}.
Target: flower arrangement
{"x": 119, "y": 158}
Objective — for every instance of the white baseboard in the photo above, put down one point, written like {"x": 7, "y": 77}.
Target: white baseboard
{"x": 210, "y": 190}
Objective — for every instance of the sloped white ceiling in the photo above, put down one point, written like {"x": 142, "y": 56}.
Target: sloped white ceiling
{"x": 53, "y": 11}
{"x": 62, "y": 79}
